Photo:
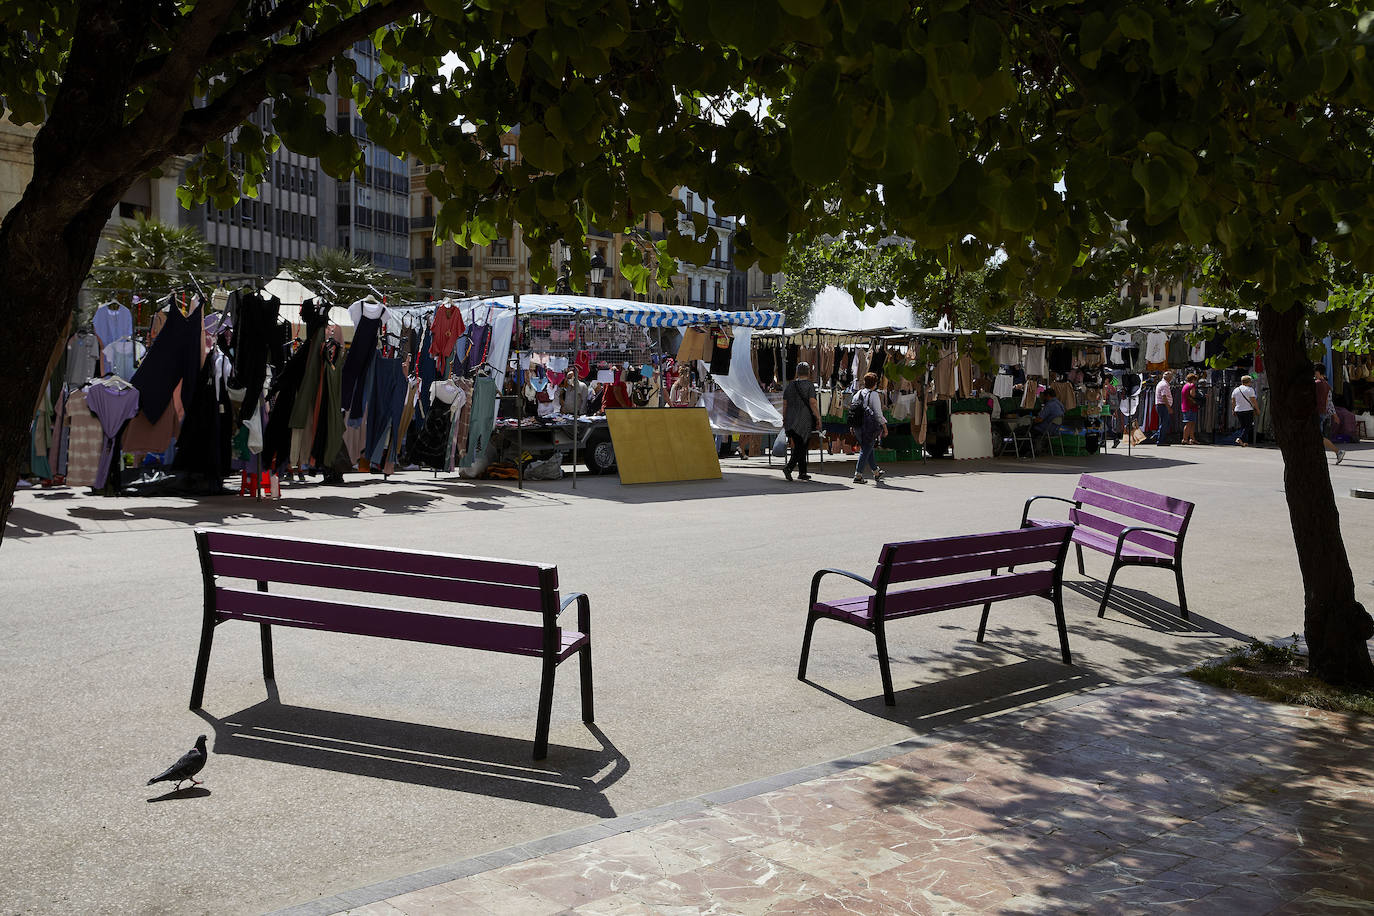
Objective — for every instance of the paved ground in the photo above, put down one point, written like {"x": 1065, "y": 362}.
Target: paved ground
{"x": 381, "y": 759}
{"x": 1163, "y": 796}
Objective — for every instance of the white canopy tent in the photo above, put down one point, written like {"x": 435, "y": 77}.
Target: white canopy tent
{"x": 834, "y": 310}
{"x": 1181, "y": 318}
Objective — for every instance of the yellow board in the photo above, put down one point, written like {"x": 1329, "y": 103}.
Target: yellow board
{"x": 659, "y": 444}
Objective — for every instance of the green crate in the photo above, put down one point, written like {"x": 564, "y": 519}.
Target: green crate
{"x": 908, "y": 453}
{"x": 884, "y": 454}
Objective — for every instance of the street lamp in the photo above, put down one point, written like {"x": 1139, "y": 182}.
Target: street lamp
{"x": 597, "y": 269}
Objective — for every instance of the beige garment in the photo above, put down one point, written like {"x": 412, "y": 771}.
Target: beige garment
{"x": 84, "y": 441}
{"x": 1032, "y": 393}
{"x": 918, "y": 417}
{"x": 408, "y": 411}
{"x": 944, "y": 372}
{"x": 143, "y": 436}
{"x": 966, "y": 376}
{"x": 1067, "y": 396}
{"x": 695, "y": 343}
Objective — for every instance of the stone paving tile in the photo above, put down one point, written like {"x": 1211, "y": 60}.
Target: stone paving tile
{"x": 1169, "y": 798}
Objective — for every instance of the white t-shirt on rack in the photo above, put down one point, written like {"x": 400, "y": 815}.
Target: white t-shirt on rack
{"x": 1156, "y": 347}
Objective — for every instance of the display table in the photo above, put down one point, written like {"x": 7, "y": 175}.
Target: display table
{"x": 972, "y": 435}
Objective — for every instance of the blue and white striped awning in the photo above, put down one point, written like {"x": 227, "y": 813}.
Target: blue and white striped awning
{"x": 643, "y": 314}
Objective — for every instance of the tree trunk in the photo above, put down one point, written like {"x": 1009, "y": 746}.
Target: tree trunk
{"x": 1336, "y": 626}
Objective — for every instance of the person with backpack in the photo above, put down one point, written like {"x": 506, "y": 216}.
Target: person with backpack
{"x": 868, "y": 425}
{"x": 801, "y": 416}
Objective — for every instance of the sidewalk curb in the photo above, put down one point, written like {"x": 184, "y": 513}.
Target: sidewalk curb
{"x": 577, "y": 836}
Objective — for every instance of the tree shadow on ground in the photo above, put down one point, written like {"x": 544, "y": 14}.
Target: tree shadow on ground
{"x": 25, "y": 523}
{"x": 1172, "y": 798}
{"x": 571, "y": 778}
{"x": 956, "y": 699}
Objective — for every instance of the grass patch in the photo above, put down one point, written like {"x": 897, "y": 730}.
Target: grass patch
{"x": 1279, "y": 673}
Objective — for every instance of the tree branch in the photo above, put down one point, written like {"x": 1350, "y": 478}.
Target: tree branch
{"x": 281, "y": 17}
{"x": 200, "y": 125}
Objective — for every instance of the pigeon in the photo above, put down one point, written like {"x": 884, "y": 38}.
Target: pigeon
{"x": 186, "y": 768}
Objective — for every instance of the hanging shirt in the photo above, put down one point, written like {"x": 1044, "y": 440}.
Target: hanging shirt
{"x": 1120, "y": 341}
{"x": 1035, "y": 362}
{"x": 444, "y": 333}
{"x": 83, "y": 352}
{"x": 122, "y": 356}
{"x": 113, "y": 324}
{"x": 1157, "y": 347}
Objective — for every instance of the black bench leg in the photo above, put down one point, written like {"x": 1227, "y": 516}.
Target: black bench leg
{"x": 541, "y": 729}
{"x": 1107, "y": 590}
{"x": 983, "y": 624}
{"x": 1079, "y": 548}
{"x": 1182, "y": 599}
{"x": 884, "y": 668}
{"x": 269, "y": 671}
{"x": 1063, "y": 629}
{"x": 207, "y": 638}
{"x": 806, "y": 646}
{"x": 584, "y": 660}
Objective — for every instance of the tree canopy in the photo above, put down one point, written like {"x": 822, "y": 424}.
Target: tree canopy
{"x": 1037, "y": 129}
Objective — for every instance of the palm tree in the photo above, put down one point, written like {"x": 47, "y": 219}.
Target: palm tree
{"x": 151, "y": 257}
{"x": 342, "y": 271}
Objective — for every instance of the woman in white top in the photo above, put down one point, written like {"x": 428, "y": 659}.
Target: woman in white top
{"x": 1245, "y": 402}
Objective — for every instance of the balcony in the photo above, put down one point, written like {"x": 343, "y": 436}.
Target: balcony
{"x": 493, "y": 262}
{"x": 422, "y": 263}
{"x": 422, "y": 222}
{"x": 460, "y": 260}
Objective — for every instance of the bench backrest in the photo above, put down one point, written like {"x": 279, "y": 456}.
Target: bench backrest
{"x": 478, "y": 581}
{"x": 936, "y": 558}
{"x": 1139, "y": 507}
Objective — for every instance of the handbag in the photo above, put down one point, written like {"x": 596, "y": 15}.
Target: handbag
{"x": 780, "y": 445}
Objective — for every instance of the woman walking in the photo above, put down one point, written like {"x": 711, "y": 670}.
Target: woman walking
{"x": 801, "y": 415}
{"x": 1190, "y": 407}
{"x": 869, "y": 426}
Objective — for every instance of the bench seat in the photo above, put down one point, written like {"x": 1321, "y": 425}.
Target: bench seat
{"x": 1101, "y": 542}
{"x": 951, "y": 573}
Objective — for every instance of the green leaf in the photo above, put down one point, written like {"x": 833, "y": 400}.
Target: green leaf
{"x": 818, "y": 126}
{"x": 937, "y": 161}
{"x": 1136, "y": 24}
{"x": 1020, "y": 206}
{"x": 515, "y": 62}
{"x": 803, "y": 9}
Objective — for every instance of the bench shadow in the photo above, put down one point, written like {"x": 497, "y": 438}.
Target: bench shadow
{"x": 571, "y": 778}
{"x": 1147, "y": 610}
{"x": 964, "y": 698}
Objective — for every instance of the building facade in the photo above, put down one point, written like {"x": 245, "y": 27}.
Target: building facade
{"x": 371, "y": 211}
{"x": 258, "y": 237}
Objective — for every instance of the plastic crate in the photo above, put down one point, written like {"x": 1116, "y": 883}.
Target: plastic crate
{"x": 908, "y": 453}
{"x": 884, "y": 454}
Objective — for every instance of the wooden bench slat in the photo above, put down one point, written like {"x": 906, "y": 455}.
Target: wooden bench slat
{"x": 943, "y": 548}
{"x": 1155, "y": 518}
{"x": 973, "y": 562}
{"x": 1134, "y": 494}
{"x": 389, "y": 623}
{"x": 334, "y": 554}
{"x": 1112, "y": 529}
{"x": 947, "y": 596}
{"x": 385, "y": 582}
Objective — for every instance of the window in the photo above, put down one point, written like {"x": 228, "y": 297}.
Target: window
{"x": 429, "y": 247}
{"x": 687, "y": 199}
{"x": 702, "y": 287}
{"x": 509, "y": 150}
{"x": 313, "y": 230}
{"x": 429, "y": 206}
{"x": 500, "y": 249}
{"x": 717, "y": 292}
{"x": 463, "y": 283}
{"x": 500, "y": 285}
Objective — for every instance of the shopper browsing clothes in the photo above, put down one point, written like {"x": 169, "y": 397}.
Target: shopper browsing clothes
{"x": 801, "y": 415}
{"x": 868, "y": 425}
{"x": 1245, "y": 403}
{"x": 1190, "y": 408}
{"x": 1326, "y": 410}
{"x": 1164, "y": 405}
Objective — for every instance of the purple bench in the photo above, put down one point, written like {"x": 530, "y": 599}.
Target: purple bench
{"x": 948, "y": 561}
{"x": 1134, "y": 527}
{"x": 470, "y": 581}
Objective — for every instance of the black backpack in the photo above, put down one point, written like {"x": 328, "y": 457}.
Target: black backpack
{"x": 858, "y": 413}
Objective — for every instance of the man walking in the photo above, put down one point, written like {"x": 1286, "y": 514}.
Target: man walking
{"x": 1164, "y": 406}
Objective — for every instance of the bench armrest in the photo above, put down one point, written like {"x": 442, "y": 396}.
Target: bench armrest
{"x": 1126, "y": 533}
{"x": 584, "y": 611}
{"x": 1025, "y": 513}
{"x": 822, "y": 573}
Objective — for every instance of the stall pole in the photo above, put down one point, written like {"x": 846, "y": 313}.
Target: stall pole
{"x": 519, "y": 406}
{"x": 577, "y": 399}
